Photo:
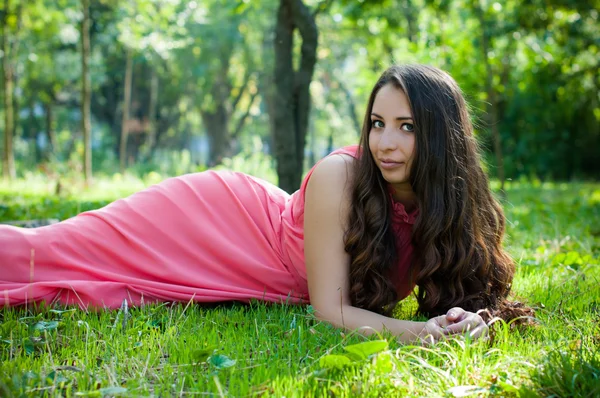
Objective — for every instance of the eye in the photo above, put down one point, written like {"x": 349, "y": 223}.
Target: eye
{"x": 378, "y": 124}
{"x": 407, "y": 127}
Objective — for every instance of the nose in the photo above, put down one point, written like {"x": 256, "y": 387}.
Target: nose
{"x": 387, "y": 142}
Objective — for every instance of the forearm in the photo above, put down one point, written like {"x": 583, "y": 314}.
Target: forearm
{"x": 368, "y": 322}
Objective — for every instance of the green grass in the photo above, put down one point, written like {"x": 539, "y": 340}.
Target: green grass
{"x": 257, "y": 349}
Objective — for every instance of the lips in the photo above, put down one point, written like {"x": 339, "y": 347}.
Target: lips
{"x": 389, "y": 164}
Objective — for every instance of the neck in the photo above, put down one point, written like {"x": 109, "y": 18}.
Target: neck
{"x": 406, "y": 196}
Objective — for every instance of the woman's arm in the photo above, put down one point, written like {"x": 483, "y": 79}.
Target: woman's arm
{"x": 326, "y": 211}
{"x": 327, "y": 265}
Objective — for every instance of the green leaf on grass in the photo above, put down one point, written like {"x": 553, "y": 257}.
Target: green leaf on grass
{"x": 26, "y": 318}
{"x": 112, "y": 390}
{"x": 56, "y": 378}
{"x": 334, "y": 361}
{"x": 42, "y": 325}
{"x": 60, "y": 312}
{"x": 202, "y": 354}
{"x": 29, "y": 346}
{"x": 384, "y": 363}
{"x": 366, "y": 349}
{"x": 507, "y": 386}
{"x": 102, "y": 392}
{"x": 221, "y": 361}
{"x": 558, "y": 259}
{"x": 572, "y": 258}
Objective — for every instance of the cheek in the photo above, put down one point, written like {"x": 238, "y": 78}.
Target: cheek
{"x": 373, "y": 144}
{"x": 411, "y": 146}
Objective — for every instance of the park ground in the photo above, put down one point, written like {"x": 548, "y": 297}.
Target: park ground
{"x": 553, "y": 232}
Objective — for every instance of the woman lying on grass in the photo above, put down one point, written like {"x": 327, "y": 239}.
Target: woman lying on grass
{"x": 409, "y": 206}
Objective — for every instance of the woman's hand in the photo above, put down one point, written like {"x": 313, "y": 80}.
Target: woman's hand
{"x": 465, "y": 322}
{"x": 434, "y": 330}
{"x": 456, "y": 321}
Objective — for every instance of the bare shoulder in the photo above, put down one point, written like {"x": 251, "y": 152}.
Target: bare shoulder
{"x": 331, "y": 175}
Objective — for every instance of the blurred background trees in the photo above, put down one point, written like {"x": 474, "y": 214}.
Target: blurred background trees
{"x": 177, "y": 86}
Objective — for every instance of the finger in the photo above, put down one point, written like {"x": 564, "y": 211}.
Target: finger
{"x": 480, "y": 331}
{"x": 432, "y": 331}
{"x": 455, "y": 314}
{"x": 435, "y": 331}
{"x": 466, "y": 325}
{"x": 442, "y": 322}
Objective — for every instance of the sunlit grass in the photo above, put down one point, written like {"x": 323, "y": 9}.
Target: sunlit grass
{"x": 245, "y": 350}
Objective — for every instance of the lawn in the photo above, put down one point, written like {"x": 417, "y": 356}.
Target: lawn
{"x": 257, "y": 349}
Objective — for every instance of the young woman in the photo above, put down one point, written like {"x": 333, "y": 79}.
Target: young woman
{"x": 409, "y": 206}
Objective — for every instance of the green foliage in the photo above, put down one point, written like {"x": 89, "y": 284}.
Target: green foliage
{"x": 544, "y": 66}
{"x": 569, "y": 373}
{"x": 355, "y": 354}
{"x": 214, "y": 58}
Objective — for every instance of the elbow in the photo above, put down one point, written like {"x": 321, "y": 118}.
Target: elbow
{"x": 333, "y": 315}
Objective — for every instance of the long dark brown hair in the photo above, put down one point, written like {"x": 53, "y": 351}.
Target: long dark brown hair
{"x": 458, "y": 258}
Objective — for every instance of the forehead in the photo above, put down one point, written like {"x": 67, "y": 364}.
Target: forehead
{"x": 391, "y": 101}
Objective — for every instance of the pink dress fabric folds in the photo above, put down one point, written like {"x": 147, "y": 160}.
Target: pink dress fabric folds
{"x": 206, "y": 237}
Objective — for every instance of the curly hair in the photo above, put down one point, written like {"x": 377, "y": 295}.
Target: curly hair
{"x": 458, "y": 259}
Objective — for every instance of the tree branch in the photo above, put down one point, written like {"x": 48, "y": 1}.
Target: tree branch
{"x": 243, "y": 87}
{"x": 242, "y": 120}
{"x": 307, "y": 26}
{"x": 322, "y": 7}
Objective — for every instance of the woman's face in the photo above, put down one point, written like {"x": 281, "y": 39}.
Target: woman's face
{"x": 392, "y": 137}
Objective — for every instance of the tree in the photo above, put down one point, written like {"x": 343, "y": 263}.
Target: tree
{"x": 226, "y": 71}
{"x": 149, "y": 32}
{"x": 86, "y": 89}
{"x": 125, "y": 110}
{"x": 292, "y": 95}
{"x": 203, "y": 69}
{"x": 10, "y": 24}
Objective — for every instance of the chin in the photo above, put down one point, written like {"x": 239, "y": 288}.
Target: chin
{"x": 394, "y": 178}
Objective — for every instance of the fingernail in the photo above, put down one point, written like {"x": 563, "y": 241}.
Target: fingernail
{"x": 451, "y": 314}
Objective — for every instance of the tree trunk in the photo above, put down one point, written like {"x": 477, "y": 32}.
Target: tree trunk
{"x": 267, "y": 92}
{"x": 8, "y": 160}
{"x": 125, "y": 116}
{"x": 284, "y": 134}
{"x": 50, "y": 130}
{"x": 152, "y": 111}
{"x": 216, "y": 123}
{"x": 32, "y": 131}
{"x": 86, "y": 125}
{"x": 492, "y": 104}
{"x": 292, "y": 95}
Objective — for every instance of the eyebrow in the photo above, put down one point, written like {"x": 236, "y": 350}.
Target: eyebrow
{"x": 398, "y": 118}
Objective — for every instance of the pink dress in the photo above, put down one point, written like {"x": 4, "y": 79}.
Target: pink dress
{"x": 207, "y": 237}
